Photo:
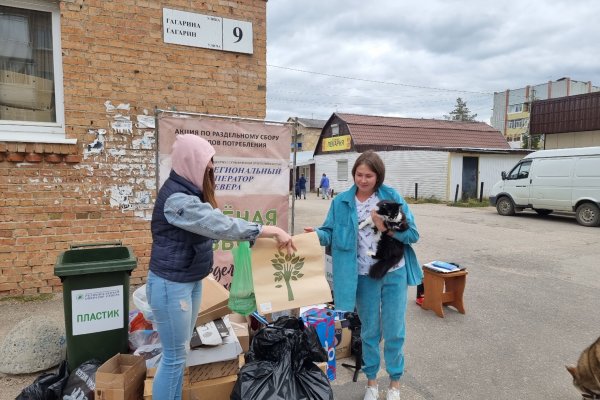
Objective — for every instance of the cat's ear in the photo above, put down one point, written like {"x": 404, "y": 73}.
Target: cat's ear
{"x": 572, "y": 370}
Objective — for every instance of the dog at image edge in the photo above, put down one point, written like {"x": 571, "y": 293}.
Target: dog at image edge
{"x": 389, "y": 250}
{"x": 586, "y": 375}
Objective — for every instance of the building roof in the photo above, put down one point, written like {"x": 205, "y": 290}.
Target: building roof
{"x": 565, "y": 114}
{"x": 384, "y": 132}
{"x": 310, "y": 123}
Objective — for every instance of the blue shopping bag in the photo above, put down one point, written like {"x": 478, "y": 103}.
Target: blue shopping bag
{"x": 323, "y": 320}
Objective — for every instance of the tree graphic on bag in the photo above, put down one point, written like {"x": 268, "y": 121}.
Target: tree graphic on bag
{"x": 288, "y": 269}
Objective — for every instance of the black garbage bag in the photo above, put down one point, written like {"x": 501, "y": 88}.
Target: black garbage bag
{"x": 82, "y": 382}
{"x": 280, "y": 365}
{"x": 48, "y": 386}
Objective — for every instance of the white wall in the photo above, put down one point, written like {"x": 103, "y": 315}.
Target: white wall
{"x": 490, "y": 168}
{"x": 572, "y": 139}
{"x": 403, "y": 169}
{"x": 436, "y": 172}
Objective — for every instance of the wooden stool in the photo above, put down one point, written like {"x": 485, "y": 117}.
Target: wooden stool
{"x": 435, "y": 295}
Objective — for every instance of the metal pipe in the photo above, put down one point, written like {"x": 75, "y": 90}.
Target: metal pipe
{"x": 481, "y": 193}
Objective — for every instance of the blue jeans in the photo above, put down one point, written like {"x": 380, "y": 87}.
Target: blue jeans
{"x": 381, "y": 306}
{"x": 175, "y": 306}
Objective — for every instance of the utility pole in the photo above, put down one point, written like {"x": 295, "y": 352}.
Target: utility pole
{"x": 294, "y": 177}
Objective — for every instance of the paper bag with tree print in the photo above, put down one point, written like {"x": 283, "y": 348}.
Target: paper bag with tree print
{"x": 282, "y": 281}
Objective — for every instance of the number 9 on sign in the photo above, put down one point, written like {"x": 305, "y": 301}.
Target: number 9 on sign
{"x": 238, "y": 33}
{"x": 237, "y": 36}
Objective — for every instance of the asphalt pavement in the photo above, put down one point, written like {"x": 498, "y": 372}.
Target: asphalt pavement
{"x": 532, "y": 305}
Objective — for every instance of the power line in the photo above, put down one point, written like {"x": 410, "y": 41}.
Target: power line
{"x": 376, "y": 81}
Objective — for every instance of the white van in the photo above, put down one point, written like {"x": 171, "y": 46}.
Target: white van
{"x": 553, "y": 180}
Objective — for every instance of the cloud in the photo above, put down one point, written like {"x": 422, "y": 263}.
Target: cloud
{"x": 414, "y": 59}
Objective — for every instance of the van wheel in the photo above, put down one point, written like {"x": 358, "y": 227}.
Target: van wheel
{"x": 588, "y": 214}
{"x": 543, "y": 211}
{"x": 505, "y": 206}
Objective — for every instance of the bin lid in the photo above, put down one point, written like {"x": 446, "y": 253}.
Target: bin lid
{"x": 94, "y": 260}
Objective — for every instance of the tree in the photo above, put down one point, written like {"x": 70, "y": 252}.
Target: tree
{"x": 461, "y": 112}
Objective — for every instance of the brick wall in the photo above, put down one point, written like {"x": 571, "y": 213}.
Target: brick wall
{"x": 103, "y": 188}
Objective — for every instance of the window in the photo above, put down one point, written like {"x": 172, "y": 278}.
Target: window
{"x": 520, "y": 171}
{"x": 335, "y": 129}
{"x": 515, "y": 108}
{"x": 342, "y": 170}
{"x": 31, "y": 87}
{"x": 516, "y": 123}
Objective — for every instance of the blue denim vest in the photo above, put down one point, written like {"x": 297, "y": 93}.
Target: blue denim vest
{"x": 178, "y": 255}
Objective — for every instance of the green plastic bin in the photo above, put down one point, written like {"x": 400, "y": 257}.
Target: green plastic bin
{"x": 95, "y": 280}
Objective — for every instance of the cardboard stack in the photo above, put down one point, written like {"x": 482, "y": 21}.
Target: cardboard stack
{"x": 214, "y": 301}
{"x": 150, "y": 380}
{"x": 120, "y": 378}
{"x": 343, "y": 337}
{"x": 217, "y": 346}
{"x": 25, "y": 97}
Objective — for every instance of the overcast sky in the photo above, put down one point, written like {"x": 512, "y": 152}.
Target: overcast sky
{"x": 414, "y": 58}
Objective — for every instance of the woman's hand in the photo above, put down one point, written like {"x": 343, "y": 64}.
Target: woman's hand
{"x": 308, "y": 229}
{"x": 284, "y": 240}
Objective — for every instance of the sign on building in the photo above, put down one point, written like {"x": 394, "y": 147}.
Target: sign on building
{"x": 207, "y": 31}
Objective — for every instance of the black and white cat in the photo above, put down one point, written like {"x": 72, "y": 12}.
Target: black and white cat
{"x": 389, "y": 250}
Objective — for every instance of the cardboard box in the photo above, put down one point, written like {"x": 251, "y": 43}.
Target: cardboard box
{"x": 230, "y": 349}
{"x": 214, "y": 301}
{"x": 151, "y": 372}
{"x": 25, "y": 91}
{"x": 207, "y": 316}
{"x": 213, "y": 389}
{"x": 209, "y": 334}
{"x": 121, "y": 378}
{"x": 294, "y": 312}
{"x": 150, "y": 381}
{"x": 185, "y": 394}
{"x": 21, "y": 114}
{"x": 343, "y": 338}
{"x": 322, "y": 366}
{"x": 215, "y": 370}
{"x": 214, "y": 295}
{"x": 243, "y": 334}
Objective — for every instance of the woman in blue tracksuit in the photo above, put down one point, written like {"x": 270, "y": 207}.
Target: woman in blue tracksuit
{"x": 380, "y": 303}
{"x": 185, "y": 221}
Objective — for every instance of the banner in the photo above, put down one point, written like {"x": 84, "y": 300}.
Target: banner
{"x": 282, "y": 281}
{"x": 251, "y": 172}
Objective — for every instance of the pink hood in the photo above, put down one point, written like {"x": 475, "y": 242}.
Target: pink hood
{"x": 190, "y": 157}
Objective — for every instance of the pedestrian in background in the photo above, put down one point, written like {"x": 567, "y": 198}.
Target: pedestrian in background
{"x": 380, "y": 303}
{"x": 302, "y": 183}
{"x": 324, "y": 186}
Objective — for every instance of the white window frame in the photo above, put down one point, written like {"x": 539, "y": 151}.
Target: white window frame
{"x": 335, "y": 129}
{"x": 42, "y": 132}
{"x": 515, "y": 108}
{"x": 516, "y": 123}
{"x": 342, "y": 170}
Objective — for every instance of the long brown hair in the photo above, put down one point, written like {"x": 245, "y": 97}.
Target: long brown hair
{"x": 208, "y": 187}
{"x": 375, "y": 164}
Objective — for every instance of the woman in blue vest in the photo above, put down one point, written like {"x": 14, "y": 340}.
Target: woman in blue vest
{"x": 185, "y": 221}
{"x": 380, "y": 303}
